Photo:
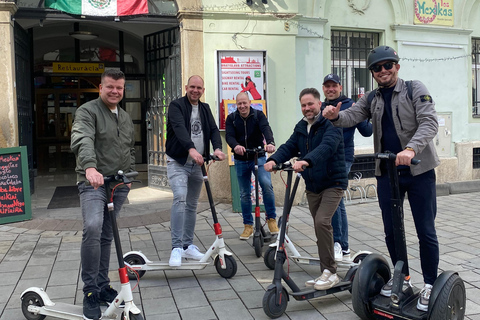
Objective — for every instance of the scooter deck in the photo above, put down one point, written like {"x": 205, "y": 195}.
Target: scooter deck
{"x": 382, "y": 309}
{"x": 165, "y": 266}
{"x": 310, "y": 293}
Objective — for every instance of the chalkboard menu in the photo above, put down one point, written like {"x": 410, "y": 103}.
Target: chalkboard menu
{"x": 14, "y": 185}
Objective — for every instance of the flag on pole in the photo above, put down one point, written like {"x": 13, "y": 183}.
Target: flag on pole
{"x": 99, "y": 7}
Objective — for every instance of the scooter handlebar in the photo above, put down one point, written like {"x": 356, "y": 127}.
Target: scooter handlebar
{"x": 286, "y": 166}
{"x": 255, "y": 150}
{"x": 211, "y": 157}
{"x": 392, "y": 156}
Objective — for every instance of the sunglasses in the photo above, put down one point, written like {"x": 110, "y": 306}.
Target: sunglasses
{"x": 378, "y": 67}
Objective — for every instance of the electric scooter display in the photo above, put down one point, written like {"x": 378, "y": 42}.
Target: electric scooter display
{"x": 260, "y": 236}
{"x": 276, "y": 297}
{"x": 36, "y": 304}
{"x": 224, "y": 261}
{"x": 447, "y": 299}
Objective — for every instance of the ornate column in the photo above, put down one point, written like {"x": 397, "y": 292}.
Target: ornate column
{"x": 8, "y": 100}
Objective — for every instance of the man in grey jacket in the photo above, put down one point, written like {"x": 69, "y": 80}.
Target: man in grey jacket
{"x": 405, "y": 126}
{"x": 103, "y": 143}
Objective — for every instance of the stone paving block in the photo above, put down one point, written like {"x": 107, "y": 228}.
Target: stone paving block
{"x": 198, "y": 313}
{"x": 216, "y": 295}
{"x": 64, "y": 291}
{"x": 5, "y": 293}
{"x": 159, "y": 306}
{"x": 212, "y": 282}
{"x": 9, "y": 266}
{"x": 63, "y": 277}
{"x": 235, "y": 310}
{"x": 34, "y": 271}
{"x": 189, "y": 298}
{"x": 244, "y": 283}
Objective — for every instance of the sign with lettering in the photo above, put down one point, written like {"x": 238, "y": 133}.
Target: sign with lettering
{"x": 14, "y": 185}
{"x": 240, "y": 71}
{"x": 71, "y": 67}
{"x": 434, "y": 12}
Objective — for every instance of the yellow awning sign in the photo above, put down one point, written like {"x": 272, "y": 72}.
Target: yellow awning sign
{"x": 434, "y": 12}
{"x": 70, "y": 67}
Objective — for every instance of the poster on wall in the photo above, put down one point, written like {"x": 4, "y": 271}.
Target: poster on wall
{"x": 434, "y": 12}
{"x": 240, "y": 71}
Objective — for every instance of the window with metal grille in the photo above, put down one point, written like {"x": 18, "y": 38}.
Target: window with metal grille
{"x": 475, "y": 77}
{"x": 349, "y": 55}
{"x": 476, "y": 158}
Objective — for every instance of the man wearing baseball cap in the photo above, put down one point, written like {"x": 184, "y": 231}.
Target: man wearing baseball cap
{"x": 332, "y": 89}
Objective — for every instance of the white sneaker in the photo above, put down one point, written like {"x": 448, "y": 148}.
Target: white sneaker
{"x": 326, "y": 281}
{"x": 424, "y": 297}
{"x": 346, "y": 255}
{"x": 175, "y": 257}
{"x": 337, "y": 249}
{"x": 311, "y": 283}
{"x": 192, "y": 252}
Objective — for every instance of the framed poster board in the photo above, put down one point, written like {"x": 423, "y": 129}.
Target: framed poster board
{"x": 240, "y": 71}
{"x": 15, "y": 204}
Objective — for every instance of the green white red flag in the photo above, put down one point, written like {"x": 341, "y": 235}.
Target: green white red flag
{"x": 99, "y": 7}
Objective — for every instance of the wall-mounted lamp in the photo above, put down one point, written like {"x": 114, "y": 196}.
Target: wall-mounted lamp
{"x": 83, "y": 35}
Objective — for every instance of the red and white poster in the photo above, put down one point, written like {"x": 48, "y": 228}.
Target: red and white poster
{"x": 240, "y": 71}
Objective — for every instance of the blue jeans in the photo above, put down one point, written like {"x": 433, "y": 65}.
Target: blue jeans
{"x": 340, "y": 221}
{"x": 186, "y": 183}
{"x": 422, "y": 197}
{"x": 97, "y": 234}
{"x": 244, "y": 173}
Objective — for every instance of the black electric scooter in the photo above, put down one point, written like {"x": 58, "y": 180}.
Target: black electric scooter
{"x": 36, "y": 304}
{"x": 260, "y": 236}
{"x": 276, "y": 297}
{"x": 447, "y": 299}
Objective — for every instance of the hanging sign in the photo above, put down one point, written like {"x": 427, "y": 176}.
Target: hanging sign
{"x": 434, "y": 12}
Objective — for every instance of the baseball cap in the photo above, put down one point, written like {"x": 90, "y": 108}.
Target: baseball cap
{"x": 331, "y": 77}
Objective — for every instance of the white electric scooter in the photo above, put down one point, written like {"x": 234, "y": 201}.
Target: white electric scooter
{"x": 36, "y": 304}
{"x": 224, "y": 262}
{"x": 270, "y": 253}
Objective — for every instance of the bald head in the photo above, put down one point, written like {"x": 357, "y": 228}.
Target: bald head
{"x": 194, "y": 89}
{"x": 241, "y": 95}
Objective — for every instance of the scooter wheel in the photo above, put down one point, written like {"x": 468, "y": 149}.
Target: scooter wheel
{"x": 270, "y": 307}
{"x": 360, "y": 257}
{"x": 269, "y": 257}
{"x": 231, "y": 267}
{"x": 369, "y": 279}
{"x": 32, "y": 298}
{"x": 257, "y": 244}
{"x": 134, "y": 259}
{"x": 450, "y": 302}
{"x": 132, "y": 316}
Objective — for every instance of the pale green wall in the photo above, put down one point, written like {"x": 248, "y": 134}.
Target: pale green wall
{"x": 300, "y": 57}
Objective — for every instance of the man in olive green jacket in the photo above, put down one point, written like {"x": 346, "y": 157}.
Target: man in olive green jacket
{"x": 103, "y": 143}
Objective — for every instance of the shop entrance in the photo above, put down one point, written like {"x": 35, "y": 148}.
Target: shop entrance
{"x": 56, "y": 100}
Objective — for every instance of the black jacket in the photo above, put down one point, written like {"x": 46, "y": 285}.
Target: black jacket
{"x": 179, "y": 129}
{"x": 247, "y": 132}
{"x": 322, "y": 148}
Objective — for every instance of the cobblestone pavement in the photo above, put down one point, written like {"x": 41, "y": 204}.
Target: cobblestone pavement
{"x": 45, "y": 254}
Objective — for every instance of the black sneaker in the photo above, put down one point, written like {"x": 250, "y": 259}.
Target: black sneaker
{"x": 107, "y": 295}
{"x": 91, "y": 307}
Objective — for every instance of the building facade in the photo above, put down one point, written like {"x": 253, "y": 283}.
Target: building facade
{"x": 51, "y": 59}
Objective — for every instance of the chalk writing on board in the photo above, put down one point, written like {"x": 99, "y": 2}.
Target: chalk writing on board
{"x": 11, "y": 185}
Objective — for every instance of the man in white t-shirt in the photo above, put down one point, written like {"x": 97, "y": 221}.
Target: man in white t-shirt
{"x": 190, "y": 129}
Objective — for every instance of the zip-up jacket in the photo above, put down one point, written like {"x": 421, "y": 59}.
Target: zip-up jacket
{"x": 415, "y": 121}
{"x": 364, "y": 127}
{"x": 322, "y": 148}
{"x": 179, "y": 129}
{"x": 247, "y": 132}
{"x": 101, "y": 140}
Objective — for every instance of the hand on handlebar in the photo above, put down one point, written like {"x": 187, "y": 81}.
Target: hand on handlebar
{"x": 240, "y": 150}
{"x": 94, "y": 177}
{"x": 300, "y": 165}
{"x": 268, "y": 166}
{"x": 270, "y": 148}
{"x": 219, "y": 154}
{"x": 404, "y": 158}
{"x": 197, "y": 157}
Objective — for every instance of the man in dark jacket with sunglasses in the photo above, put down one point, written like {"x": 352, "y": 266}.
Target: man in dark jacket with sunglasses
{"x": 405, "y": 126}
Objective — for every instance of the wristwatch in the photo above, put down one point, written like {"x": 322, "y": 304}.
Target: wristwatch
{"x": 272, "y": 143}
{"x": 410, "y": 149}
